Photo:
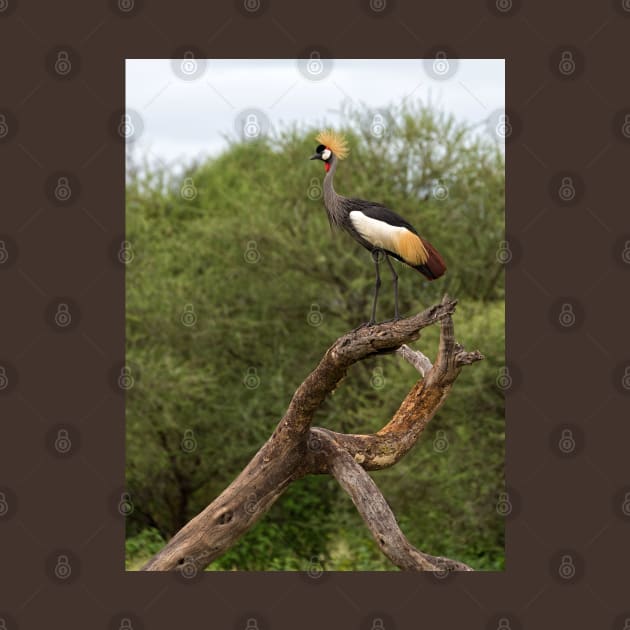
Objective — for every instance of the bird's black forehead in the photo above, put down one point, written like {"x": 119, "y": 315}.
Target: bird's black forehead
{"x": 320, "y": 148}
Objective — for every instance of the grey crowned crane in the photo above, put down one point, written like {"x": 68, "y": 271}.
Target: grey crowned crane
{"x": 380, "y": 230}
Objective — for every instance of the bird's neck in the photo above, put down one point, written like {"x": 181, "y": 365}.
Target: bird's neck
{"x": 332, "y": 200}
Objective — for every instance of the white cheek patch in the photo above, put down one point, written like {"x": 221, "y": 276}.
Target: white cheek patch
{"x": 326, "y": 153}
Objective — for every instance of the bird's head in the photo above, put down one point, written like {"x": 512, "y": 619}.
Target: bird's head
{"x": 331, "y": 145}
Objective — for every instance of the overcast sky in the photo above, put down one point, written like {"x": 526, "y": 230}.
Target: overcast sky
{"x": 181, "y": 109}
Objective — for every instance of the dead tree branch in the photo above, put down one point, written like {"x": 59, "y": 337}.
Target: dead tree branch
{"x": 295, "y": 449}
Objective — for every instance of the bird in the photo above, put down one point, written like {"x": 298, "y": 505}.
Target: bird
{"x": 380, "y": 230}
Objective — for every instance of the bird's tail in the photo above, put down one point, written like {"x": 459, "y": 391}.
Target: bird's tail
{"x": 435, "y": 266}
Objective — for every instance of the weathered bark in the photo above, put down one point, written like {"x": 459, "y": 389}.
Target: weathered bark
{"x": 295, "y": 449}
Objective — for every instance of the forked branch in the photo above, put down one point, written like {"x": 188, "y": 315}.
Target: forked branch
{"x": 295, "y": 449}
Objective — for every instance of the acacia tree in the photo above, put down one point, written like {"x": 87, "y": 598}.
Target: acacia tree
{"x": 296, "y": 449}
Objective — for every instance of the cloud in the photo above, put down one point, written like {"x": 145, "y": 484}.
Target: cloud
{"x": 187, "y": 119}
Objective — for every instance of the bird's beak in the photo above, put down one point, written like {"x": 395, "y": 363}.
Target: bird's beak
{"x": 316, "y": 156}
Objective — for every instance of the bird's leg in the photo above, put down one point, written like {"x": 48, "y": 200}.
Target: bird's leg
{"x": 376, "y": 255}
{"x": 395, "y": 280}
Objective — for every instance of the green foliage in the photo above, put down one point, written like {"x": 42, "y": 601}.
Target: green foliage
{"x": 141, "y": 546}
{"x": 270, "y": 289}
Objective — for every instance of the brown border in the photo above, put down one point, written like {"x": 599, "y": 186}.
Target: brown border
{"x": 565, "y": 250}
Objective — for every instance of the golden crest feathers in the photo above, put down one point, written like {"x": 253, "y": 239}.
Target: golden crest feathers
{"x": 336, "y": 142}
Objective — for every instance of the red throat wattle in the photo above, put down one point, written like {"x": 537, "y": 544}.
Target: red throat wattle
{"x": 327, "y": 166}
